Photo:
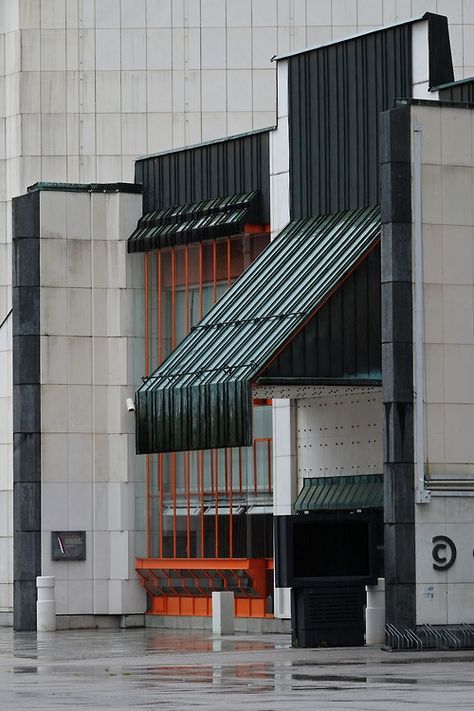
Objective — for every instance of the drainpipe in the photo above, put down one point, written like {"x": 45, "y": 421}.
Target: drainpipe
{"x": 422, "y": 494}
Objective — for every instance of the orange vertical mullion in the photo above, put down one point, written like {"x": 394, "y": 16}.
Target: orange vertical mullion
{"x": 228, "y": 261}
{"x": 160, "y": 360}
{"x": 187, "y": 468}
{"x": 201, "y": 468}
{"x": 269, "y": 465}
{"x": 216, "y": 472}
{"x": 187, "y": 465}
{"x": 160, "y": 483}
{"x": 147, "y": 357}
{"x": 254, "y": 447}
{"x": 173, "y": 484}
{"x": 240, "y": 470}
{"x": 148, "y": 503}
{"x": 226, "y": 474}
{"x": 214, "y": 269}
{"x": 173, "y": 303}
{"x": 231, "y": 541}
{"x": 147, "y": 459}
{"x": 200, "y": 280}
{"x": 212, "y": 470}
{"x": 186, "y": 286}
{"x": 160, "y": 312}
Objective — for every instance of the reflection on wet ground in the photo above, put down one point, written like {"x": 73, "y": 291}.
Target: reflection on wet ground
{"x": 171, "y": 670}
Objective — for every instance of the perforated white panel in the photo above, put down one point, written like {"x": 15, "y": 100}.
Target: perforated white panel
{"x": 297, "y": 392}
{"x": 339, "y": 434}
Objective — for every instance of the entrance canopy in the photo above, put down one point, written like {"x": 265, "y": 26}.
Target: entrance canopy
{"x": 359, "y": 491}
{"x": 201, "y": 395}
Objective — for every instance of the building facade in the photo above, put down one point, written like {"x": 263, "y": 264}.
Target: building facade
{"x": 91, "y": 320}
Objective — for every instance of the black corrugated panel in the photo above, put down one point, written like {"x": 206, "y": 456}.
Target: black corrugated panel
{"x": 356, "y": 491}
{"x": 343, "y": 340}
{"x": 227, "y": 167}
{"x": 336, "y": 94}
{"x": 441, "y": 63}
{"x": 458, "y": 91}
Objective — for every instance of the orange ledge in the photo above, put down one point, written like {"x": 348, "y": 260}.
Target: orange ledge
{"x": 202, "y": 606}
{"x": 205, "y": 563}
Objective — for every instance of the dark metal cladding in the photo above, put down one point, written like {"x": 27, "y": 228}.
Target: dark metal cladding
{"x": 200, "y": 397}
{"x": 343, "y": 340}
{"x": 441, "y": 62}
{"x": 194, "y": 222}
{"x": 336, "y": 94}
{"x": 26, "y": 408}
{"x": 461, "y": 91}
{"x": 227, "y": 167}
{"x": 359, "y": 491}
{"x": 397, "y": 367}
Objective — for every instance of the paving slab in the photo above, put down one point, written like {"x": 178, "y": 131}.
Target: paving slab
{"x": 163, "y": 669}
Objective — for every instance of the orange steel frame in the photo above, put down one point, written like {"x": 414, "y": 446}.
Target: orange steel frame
{"x": 176, "y": 605}
{"x": 202, "y": 606}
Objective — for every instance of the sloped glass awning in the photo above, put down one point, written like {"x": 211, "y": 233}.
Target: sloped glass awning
{"x": 358, "y": 491}
{"x": 193, "y": 221}
{"x": 201, "y": 395}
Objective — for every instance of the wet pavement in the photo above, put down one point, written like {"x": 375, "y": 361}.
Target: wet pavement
{"x": 143, "y": 669}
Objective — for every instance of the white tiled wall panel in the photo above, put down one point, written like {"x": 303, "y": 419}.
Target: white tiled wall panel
{"x": 447, "y": 596}
{"x": 339, "y": 435}
{"x": 86, "y": 377}
{"x": 448, "y": 263}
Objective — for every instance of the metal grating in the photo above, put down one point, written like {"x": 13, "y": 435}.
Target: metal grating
{"x": 328, "y": 607}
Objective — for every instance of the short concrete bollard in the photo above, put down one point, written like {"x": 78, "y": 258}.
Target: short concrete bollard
{"x": 46, "y": 604}
{"x": 375, "y": 613}
{"x": 223, "y": 612}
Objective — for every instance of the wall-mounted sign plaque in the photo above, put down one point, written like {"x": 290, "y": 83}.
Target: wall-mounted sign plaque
{"x": 444, "y": 552}
{"x": 68, "y": 545}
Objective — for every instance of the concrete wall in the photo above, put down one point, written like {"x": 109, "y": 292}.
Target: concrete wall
{"x": 445, "y": 596}
{"x": 85, "y": 87}
{"x": 91, "y": 335}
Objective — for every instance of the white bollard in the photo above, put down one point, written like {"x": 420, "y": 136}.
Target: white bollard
{"x": 223, "y": 612}
{"x": 46, "y": 604}
{"x": 375, "y": 613}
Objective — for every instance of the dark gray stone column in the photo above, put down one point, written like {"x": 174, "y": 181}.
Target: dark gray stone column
{"x": 26, "y": 409}
{"x": 397, "y": 368}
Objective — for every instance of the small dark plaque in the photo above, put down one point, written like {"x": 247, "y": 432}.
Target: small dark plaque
{"x": 68, "y": 545}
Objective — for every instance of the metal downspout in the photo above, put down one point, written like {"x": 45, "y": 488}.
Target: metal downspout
{"x": 422, "y": 494}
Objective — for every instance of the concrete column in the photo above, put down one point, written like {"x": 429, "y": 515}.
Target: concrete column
{"x": 46, "y": 604}
{"x": 375, "y": 613}
{"x": 223, "y": 612}
{"x": 397, "y": 368}
{"x": 284, "y": 480}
